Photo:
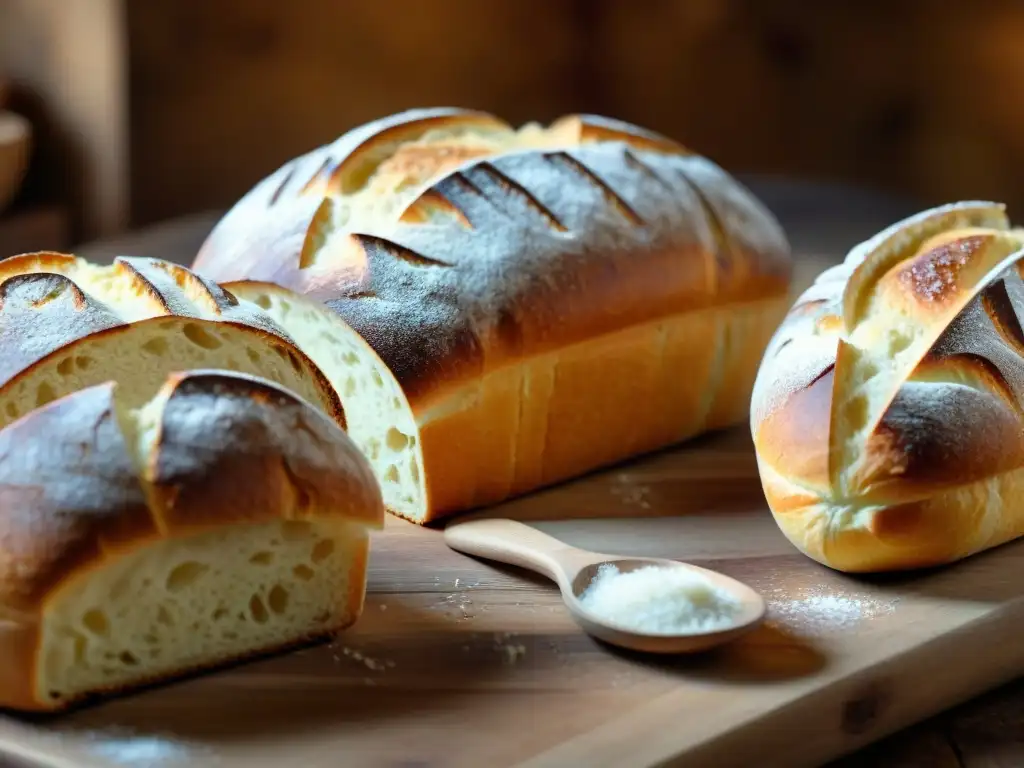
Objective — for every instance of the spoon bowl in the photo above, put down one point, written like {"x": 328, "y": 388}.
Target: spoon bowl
{"x": 574, "y": 570}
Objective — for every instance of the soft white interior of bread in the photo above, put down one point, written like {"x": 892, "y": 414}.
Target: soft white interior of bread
{"x": 379, "y": 419}
{"x": 139, "y": 357}
{"x": 189, "y": 602}
{"x": 886, "y": 345}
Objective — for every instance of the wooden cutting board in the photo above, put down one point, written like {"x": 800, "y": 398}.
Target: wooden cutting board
{"x": 459, "y": 664}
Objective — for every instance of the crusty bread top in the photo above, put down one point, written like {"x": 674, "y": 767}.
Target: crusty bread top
{"x": 903, "y": 366}
{"x": 81, "y": 478}
{"x": 49, "y": 301}
{"x": 455, "y": 244}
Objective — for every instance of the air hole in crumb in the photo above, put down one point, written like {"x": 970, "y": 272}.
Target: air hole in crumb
{"x": 254, "y": 356}
{"x": 391, "y": 474}
{"x": 156, "y": 346}
{"x": 323, "y": 549}
{"x": 395, "y": 440}
{"x": 230, "y": 635}
{"x": 350, "y": 358}
{"x": 322, "y": 618}
{"x": 264, "y": 301}
{"x": 163, "y": 616}
{"x": 376, "y": 378}
{"x": 12, "y": 410}
{"x": 185, "y": 574}
{"x": 303, "y": 572}
{"x": 350, "y": 388}
{"x": 281, "y": 352}
{"x": 83, "y": 362}
{"x": 200, "y": 336}
{"x": 414, "y": 471}
{"x": 258, "y": 610}
{"x": 45, "y": 394}
{"x": 56, "y": 694}
{"x": 96, "y": 622}
{"x": 295, "y": 530}
{"x": 262, "y": 558}
{"x": 396, "y": 403}
{"x": 219, "y": 614}
{"x": 65, "y": 366}
{"x": 277, "y": 599}
{"x": 151, "y": 639}
{"x": 128, "y": 659}
{"x": 898, "y": 342}
{"x": 868, "y": 370}
{"x": 294, "y": 360}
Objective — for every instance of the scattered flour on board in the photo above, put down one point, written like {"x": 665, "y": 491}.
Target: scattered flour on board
{"x": 658, "y": 600}
{"x": 511, "y": 652}
{"x": 630, "y": 494}
{"x": 821, "y": 612}
{"x": 372, "y": 664}
{"x": 124, "y": 748}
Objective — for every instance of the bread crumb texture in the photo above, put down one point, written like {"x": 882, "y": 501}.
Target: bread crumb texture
{"x": 176, "y": 486}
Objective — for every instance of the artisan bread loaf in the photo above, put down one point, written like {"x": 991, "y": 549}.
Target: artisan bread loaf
{"x": 524, "y": 305}
{"x": 887, "y": 410}
{"x": 155, "y": 517}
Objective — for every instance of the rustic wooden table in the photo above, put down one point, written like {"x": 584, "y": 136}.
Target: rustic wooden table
{"x": 823, "y": 222}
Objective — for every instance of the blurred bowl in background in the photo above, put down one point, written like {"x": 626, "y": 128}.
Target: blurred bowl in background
{"x": 15, "y": 146}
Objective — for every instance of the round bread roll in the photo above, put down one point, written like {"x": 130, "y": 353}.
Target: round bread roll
{"x": 886, "y": 413}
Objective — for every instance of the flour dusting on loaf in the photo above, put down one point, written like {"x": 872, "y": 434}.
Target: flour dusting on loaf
{"x": 176, "y": 488}
{"x": 538, "y": 301}
{"x": 887, "y": 409}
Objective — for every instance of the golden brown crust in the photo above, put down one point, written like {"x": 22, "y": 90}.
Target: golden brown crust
{"x": 937, "y": 474}
{"x": 525, "y": 252}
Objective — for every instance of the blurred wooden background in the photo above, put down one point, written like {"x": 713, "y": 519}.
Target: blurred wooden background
{"x": 918, "y": 97}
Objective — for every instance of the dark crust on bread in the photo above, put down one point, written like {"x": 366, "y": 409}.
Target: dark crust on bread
{"x": 68, "y": 494}
{"x": 219, "y": 431}
{"x": 541, "y": 249}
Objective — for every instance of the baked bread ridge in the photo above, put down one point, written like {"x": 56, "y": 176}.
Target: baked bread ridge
{"x": 886, "y": 413}
{"x": 489, "y": 267}
{"x": 223, "y": 518}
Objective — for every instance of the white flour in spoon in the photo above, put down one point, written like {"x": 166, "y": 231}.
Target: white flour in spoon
{"x": 658, "y": 600}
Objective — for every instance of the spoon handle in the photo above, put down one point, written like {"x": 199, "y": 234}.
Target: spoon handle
{"x": 512, "y": 542}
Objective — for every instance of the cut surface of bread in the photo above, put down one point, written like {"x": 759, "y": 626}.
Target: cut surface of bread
{"x": 887, "y": 409}
{"x": 531, "y": 292}
{"x": 378, "y": 418}
{"x": 176, "y": 487}
{"x": 193, "y": 601}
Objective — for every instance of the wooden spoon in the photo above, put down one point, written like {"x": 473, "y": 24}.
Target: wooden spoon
{"x": 573, "y": 569}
